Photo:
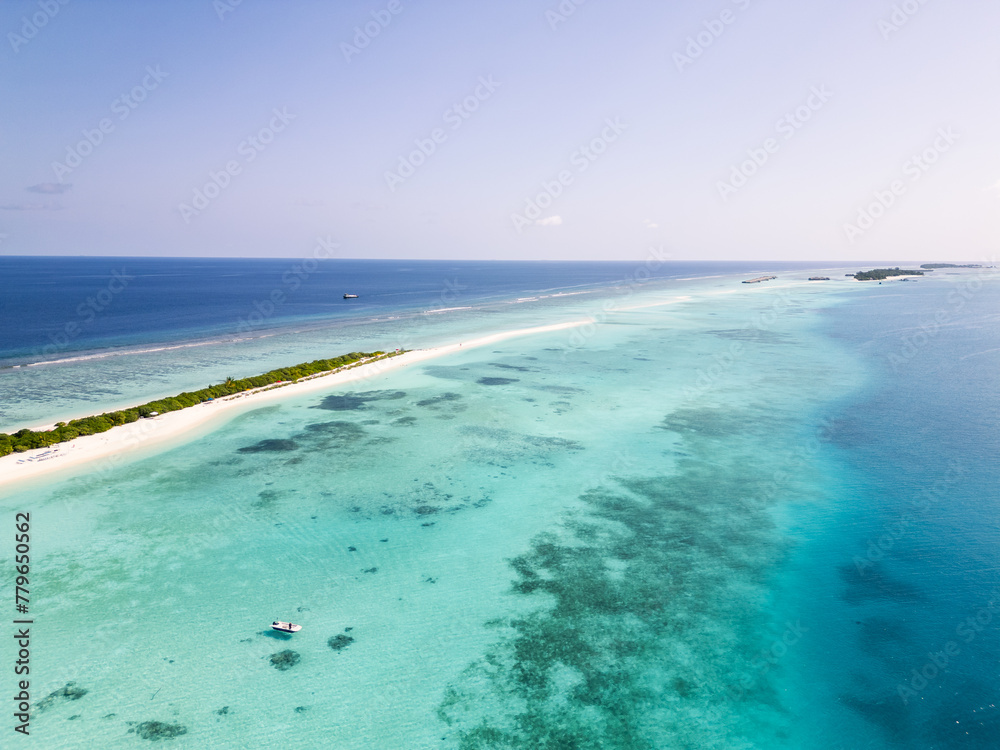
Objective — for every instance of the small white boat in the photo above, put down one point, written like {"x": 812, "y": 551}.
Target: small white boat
{"x": 350, "y": 296}
{"x": 285, "y": 627}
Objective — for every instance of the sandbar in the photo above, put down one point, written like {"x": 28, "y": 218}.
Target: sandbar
{"x": 107, "y": 449}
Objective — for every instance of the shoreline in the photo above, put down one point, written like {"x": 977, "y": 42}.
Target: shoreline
{"x": 893, "y": 278}
{"x": 148, "y": 434}
{"x": 156, "y": 431}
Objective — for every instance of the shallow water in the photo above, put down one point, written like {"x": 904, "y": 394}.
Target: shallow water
{"x": 639, "y": 534}
{"x": 178, "y": 326}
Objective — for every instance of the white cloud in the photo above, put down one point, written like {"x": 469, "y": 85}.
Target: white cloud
{"x": 549, "y": 221}
{"x": 649, "y": 224}
{"x": 50, "y": 188}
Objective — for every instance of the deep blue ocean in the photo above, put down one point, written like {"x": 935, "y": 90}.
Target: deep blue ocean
{"x": 54, "y": 307}
{"x": 906, "y": 573}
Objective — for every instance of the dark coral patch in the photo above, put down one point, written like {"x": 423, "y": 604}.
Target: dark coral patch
{"x": 335, "y": 428}
{"x": 512, "y": 367}
{"x": 284, "y": 660}
{"x": 270, "y": 446}
{"x": 336, "y": 436}
{"x": 654, "y": 556}
{"x": 438, "y": 400}
{"x": 357, "y": 401}
{"x": 69, "y": 692}
{"x": 159, "y": 730}
{"x": 265, "y": 499}
{"x": 497, "y": 381}
{"x": 339, "y": 642}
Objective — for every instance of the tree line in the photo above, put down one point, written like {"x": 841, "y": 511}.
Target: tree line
{"x": 24, "y": 440}
{"x": 877, "y": 274}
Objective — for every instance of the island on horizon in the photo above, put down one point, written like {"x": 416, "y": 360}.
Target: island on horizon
{"x": 878, "y": 274}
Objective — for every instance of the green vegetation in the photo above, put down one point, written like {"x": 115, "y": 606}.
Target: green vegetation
{"x": 24, "y": 440}
{"x": 932, "y": 266}
{"x": 878, "y": 274}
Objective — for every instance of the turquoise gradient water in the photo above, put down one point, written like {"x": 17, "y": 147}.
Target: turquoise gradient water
{"x": 177, "y": 325}
{"x": 642, "y": 533}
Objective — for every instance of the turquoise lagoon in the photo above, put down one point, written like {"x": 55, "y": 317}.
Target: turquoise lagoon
{"x": 639, "y": 533}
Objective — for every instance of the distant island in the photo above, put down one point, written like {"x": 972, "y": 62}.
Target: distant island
{"x": 24, "y": 440}
{"x": 759, "y": 279}
{"x": 877, "y": 274}
{"x": 932, "y": 266}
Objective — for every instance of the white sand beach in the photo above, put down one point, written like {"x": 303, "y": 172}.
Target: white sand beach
{"x": 158, "y": 431}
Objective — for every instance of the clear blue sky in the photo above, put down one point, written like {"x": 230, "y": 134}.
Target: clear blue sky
{"x": 866, "y": 92}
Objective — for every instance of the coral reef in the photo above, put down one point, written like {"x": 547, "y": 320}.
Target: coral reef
{"x": 284, "y": 660}
{"x": 159, "y": 730}
{"x": 69, "y": 692}
{"x": 339, "y": 642}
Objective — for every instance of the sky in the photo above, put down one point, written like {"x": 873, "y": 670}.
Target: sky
{"x": 546, "y": 129}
